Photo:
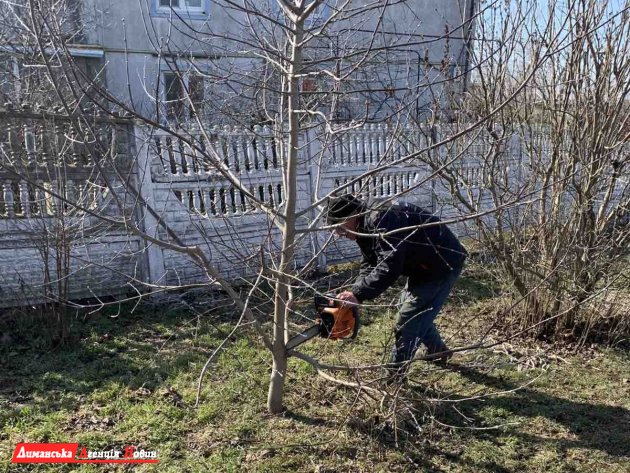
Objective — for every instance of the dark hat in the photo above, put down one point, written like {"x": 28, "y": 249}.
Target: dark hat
{"x": 342, "y": 207}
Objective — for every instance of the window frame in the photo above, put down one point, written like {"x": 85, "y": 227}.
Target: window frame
{"x": 178, "y": 106}
{"x": 183, "y": 76}
{"x": 14, "y": 87}
{"x": 191, "y": 13}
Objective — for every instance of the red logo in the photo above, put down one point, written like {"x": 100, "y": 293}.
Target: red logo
{"x": 44, "y": 453}
{"x": 67, "y": 453}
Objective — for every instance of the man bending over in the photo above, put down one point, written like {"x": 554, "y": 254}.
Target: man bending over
{"x": 395, "y": 242}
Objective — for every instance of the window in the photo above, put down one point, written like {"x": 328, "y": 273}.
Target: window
{"x": 181, "y": 6}
{"x": 188, "y": 4}
{"x": 184, "y": 95}
{"x": 174, "y": 95}
{"x": 324, "y": 95}
{"x": 26, "y": 79}
{"x": 9, "y": 79}
{"x": 196, "y": 92}
{"x": 23, "y": 79}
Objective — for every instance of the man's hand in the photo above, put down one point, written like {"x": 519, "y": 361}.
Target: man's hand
{"x": 347, "y": 299}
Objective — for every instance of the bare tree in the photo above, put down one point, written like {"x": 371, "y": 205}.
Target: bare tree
{"x": 280, "y": 62}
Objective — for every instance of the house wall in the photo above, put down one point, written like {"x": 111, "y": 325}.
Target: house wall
{"x": 137, "y": 43}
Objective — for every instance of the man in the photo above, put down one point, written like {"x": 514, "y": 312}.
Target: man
{"x": 394, "y": 243}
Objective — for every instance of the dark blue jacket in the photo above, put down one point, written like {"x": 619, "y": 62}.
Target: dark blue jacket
{"x": 422, "y": 254}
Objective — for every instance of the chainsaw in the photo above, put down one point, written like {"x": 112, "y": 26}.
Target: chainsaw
{"x": 334, "y": 321}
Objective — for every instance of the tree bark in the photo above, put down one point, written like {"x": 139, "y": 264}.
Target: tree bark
{"x": 279, "y": 368}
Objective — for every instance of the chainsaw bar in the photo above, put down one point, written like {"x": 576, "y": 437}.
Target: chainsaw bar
{"x": 304, "y": 336}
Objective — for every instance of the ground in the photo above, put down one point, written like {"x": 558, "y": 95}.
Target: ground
{"x": 131, "y": 378}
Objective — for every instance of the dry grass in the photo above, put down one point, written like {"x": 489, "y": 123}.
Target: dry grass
{"x": 533, "y": 408}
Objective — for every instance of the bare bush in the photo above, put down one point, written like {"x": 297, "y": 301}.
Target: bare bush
{"x": 553, "y": 159}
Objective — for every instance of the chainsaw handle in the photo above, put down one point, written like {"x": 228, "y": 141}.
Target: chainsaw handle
{"x": 355, "y": 314}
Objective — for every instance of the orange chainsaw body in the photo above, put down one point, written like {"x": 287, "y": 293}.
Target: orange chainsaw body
{"x": 344, "y": 320}
{"x": 333, "y": 323}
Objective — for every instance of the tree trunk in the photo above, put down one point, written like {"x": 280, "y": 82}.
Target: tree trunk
{"x": 278, "y": 373}
{"x": 276, "y": 383}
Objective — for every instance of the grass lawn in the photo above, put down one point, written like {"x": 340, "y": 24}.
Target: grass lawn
{"x": 132, "y": 379}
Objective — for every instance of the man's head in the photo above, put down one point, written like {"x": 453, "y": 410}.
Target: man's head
{"x": 344, "y": 211}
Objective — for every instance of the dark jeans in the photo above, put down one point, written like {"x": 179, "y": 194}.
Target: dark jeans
{"x": 420, "y": 305}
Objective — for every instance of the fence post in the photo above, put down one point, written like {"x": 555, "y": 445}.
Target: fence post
{"x": 153, "y": 254}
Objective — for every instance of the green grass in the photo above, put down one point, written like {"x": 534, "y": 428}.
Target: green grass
{"x": 132, "y": 380}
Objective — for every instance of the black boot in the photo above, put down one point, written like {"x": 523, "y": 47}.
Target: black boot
{"x": 439, "y": 355}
